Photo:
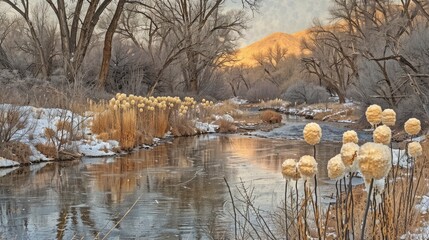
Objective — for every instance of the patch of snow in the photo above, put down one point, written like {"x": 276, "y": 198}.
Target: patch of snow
{"x": 238, "y": 101}
{"x": 399, "y": 157}
{"x": 7, "y": 163}
{"x": 225, "y": 117}
{"x": 423, "y": 206}
{"x": 206, "y": 127}
{"x": 96, "y": 149}
{"x": 346, "y": 121}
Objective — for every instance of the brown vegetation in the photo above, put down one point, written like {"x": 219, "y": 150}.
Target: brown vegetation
{"x": 270, "y": 116}
{"x": 16, "y": 151}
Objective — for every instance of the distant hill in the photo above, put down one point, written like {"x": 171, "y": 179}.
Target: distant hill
{"x": 292, "y": 42}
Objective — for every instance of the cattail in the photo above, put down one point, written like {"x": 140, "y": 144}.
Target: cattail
{"x": 290, "y": 170}
{"x": 412, "y": 126}
{"x": 312, "y": 133}
{"x": 374, "y": 160}
{"x": 349, "y": 152}
{"x": 307, "y": 166}
{"x": 382, "y": 134}
{"x": 373, "y": 114}
{"x": 388, "y": 117}
{"x": 350, "y": 136}
{"x": 415, "y": 149}
{"x": 336, "y": 168}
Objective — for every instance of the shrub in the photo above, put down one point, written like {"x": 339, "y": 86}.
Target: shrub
{"x": 270, "y": 116}
{"x": 306, "y": 93}
{"x": 13, "y": 119}
{"x": 16, "y": 151}
{"x": 263, "y": 91}
{"x": 226, "y": 126}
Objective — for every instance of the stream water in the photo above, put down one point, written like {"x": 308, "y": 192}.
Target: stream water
{"x": 174, "y": 191}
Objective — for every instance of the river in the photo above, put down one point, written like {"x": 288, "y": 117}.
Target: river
{"x": 173, "y": 191}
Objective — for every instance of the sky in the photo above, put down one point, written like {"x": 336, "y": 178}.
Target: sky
{"x": 287, "y": 16}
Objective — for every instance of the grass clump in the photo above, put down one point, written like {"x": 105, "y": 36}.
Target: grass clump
{"x": 270, "y": 116}
{"x": 135, "y": 120}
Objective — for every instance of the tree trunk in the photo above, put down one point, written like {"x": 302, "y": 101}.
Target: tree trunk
{"x": 107, "y": 50}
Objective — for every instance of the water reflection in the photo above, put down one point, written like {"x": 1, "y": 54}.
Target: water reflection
{"x": 179, "y": 186}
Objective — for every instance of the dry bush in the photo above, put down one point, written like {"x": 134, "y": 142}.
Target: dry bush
{"x": 63, "y": 125}
{"x": 182, "y": 127}
{"x": 306, "y": 93}
{"x": 48, "y": 149}
{"x": 275, "y": 103}
{"x": 270, "y": 116}
{"x": 226, "y": 126}
{"x": 226, "y": 107}
{"x": 50, "y": 134}
{"x": 16, "y": 151}
{"x": 12, "y": 120}
{"x": 263, "y": 91}
{"x": 104, "y": 136}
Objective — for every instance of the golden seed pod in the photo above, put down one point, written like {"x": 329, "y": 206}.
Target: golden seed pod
{"x": 349, "y": 153}
{"x": 140, "y": 109}
{"x": 373, "y": 114}
{"x": 350, "y": 136}
{"x": 388, "y": 117}
{"x": 312, "y": 133}
{"x": 307, "y": 166}
{"x": 412, "y": 126}
{"x": 382, "y": 134}
{"x": 290, "y": 170}
{"x": 415, "y": 149}
{"x": 374, "y": 160}
{"x": 336, "y": 168}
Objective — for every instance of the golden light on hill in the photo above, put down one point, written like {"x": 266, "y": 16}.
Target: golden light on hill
{"x": 291, "y": 42}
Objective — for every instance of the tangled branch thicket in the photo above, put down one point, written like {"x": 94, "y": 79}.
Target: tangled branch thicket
{"x": 384, "y": 207}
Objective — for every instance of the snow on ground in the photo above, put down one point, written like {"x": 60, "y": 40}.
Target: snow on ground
{"x": 206, "y": 127}
{"x": 7, "y": 163}
{"x": 238, "y": 101}
{"x": 40, "y": 119}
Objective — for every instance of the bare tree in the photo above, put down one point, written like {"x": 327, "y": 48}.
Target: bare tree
{"x": 77, "y": 33}
{"x": 23, "y": 9}
{"x": 107, "y": 49}
{"x": 5, "y": 29}
{"x": 194, "y": 35}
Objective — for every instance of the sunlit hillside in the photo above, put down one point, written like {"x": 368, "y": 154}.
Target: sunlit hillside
{"x": 291, "y": 42}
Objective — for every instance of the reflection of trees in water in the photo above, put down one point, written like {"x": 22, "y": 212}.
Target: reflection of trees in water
{"x": 185, "y": 176}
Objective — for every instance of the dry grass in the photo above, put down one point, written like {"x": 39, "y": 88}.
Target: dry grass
{"x": 16, "y": 151}
{"x": 49, "y": 150}
{"x": 275, "y": 103}
{"x": 134, "y": 120}
{"x": 63, "y": 125}
{"x": 226, "y": 126}
{"x": 270, "y": 116}
{"x": 128, "y": 129}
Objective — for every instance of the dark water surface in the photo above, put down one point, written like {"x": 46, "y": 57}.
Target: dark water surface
{"x": 176, "y": 190}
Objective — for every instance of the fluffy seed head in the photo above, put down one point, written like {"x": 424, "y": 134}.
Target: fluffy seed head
{"x": 415, "y": 149}
{"x": 382, "y": 134}
{"x": 412, "y": 126}
{"x": 307, "y": 166}
{"x": 388, "y": 117}
{"x": 374, "y": 160}
{"x": 290, "y": 170}
{"x": 373, "y": 114}
{"x": 336, "y": 168}
{"x": 350, "y": 136}
{"x": 312, "y": 133}
{"x": 349, "y": 152}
